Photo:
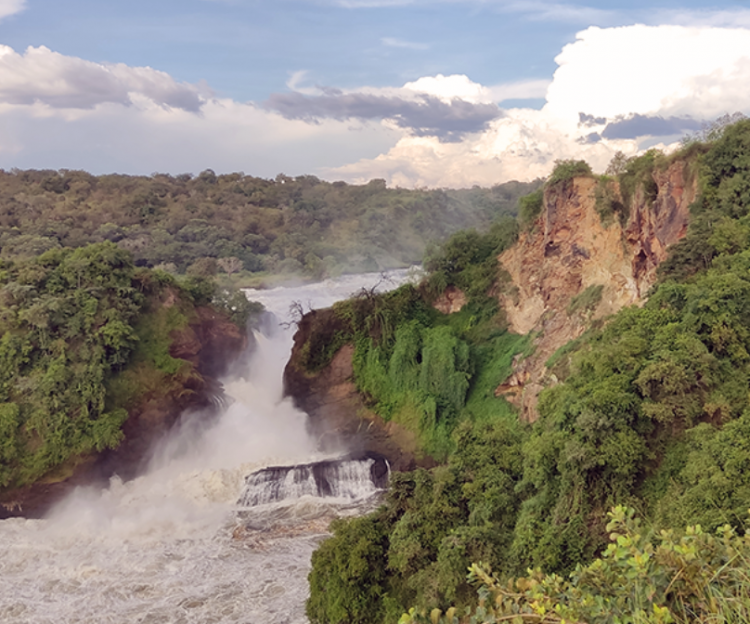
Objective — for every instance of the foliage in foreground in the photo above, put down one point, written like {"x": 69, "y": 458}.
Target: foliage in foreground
{"x": 640, "y": 578}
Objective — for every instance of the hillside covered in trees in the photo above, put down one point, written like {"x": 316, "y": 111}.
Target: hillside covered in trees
{"x": 99, "y": 356}
{"x": 231, "y": 223}
{"x": 647, "y": 410}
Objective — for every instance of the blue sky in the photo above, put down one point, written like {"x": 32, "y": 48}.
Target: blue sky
{"x": 442, "y": 93}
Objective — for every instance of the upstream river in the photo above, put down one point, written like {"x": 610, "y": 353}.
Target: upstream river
{"x": 175, "y": 545}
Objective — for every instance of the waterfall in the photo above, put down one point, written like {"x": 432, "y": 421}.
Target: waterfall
{"x": 174, "y": 545}
{"x": 349, "y": 479}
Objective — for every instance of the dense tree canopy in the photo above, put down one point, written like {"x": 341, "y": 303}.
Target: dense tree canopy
{"x": 236, "y": 222}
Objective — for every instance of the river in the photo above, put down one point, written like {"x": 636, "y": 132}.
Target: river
{"x": 174, "y": 545}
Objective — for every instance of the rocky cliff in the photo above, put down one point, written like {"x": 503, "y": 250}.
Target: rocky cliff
{"x": 570, "y": 269}
{"x": 339, "y": 416}
{"x": 585, "y": 257}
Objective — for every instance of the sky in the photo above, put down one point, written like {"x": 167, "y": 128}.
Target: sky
{"x": 442, "y": 93}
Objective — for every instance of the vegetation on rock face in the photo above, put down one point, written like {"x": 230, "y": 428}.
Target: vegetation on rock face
{"x": 414, "y": 365}
{"x": 83, "y": 335}
{"x": 654, "y": 413}
{"x": 565, "y": 170}
{"x": 233, "y": 223}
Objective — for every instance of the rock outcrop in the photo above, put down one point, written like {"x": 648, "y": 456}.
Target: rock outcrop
{"x": 339, "y": 417}
{"x": 570, "y": 269}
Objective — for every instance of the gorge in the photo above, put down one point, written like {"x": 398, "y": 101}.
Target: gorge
{"x": 174, "y": 544}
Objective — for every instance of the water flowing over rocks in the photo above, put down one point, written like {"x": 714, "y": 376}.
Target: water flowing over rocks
{"x": 346, "y": 478}
{"x": 172, "y": 545}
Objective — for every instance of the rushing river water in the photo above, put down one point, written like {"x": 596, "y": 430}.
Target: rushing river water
{"x": 174, "y": 545}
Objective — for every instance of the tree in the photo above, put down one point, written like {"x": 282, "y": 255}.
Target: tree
{"x": 230, "y": 265}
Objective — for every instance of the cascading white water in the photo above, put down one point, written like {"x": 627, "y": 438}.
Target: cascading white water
{"x": 352, "y": 479}
{"x": 172, "y": 546}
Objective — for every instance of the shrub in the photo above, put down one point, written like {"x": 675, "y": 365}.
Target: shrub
{"x": 529, "y": 208}
{"x": 672, "y": 578}
{"x": 567, "y": 170}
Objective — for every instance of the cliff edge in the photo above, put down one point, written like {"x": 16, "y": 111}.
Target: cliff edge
{"x": 573, "y": 267}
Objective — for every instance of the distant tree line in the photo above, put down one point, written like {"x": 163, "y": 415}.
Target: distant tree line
{"x": 211, "y": 223}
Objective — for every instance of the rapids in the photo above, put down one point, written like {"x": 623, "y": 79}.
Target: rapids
{"x": 174, "y": 545}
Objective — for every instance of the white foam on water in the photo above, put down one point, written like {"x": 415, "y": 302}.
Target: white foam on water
{"x": 170, "y": 546}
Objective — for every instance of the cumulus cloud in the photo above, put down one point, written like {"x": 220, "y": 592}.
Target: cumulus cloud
{"x": 614, "y": 89}
{"x": 59, "y": 81}
{"x": 664, "y": 70}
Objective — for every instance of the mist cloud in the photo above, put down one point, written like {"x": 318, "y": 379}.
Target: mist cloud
{"x": 422, "y": 115}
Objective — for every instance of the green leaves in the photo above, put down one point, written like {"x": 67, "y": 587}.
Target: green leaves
{"x": 67, "y": 328}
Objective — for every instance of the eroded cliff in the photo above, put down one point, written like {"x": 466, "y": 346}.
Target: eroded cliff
{"x": 572, "y": 267}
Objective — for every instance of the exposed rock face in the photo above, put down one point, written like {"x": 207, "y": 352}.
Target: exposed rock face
{"x": 338, "y": 414}
{"x": 452, "y": 300}
{"x": 568, "y": 251}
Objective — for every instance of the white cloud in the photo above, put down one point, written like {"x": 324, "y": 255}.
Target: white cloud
{"x": 448, "y": 88}
{"x": 521, "y": 146}
{"x": 664, "y": 71}
{"x": 58, "y": 111}
{"x": 669, "y": 70}
{"x": 11, "y": 7}
{"x": 59, "y": 81}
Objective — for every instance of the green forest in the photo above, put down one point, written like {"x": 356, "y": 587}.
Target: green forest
{"x": 627, "y": 500}
{"x": 238, "y": 226}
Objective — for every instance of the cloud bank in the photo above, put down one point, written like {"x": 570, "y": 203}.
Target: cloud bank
{"x": 625, "y": 88}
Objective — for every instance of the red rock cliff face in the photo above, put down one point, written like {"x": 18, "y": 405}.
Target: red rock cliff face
{"x": 567, "y": 251}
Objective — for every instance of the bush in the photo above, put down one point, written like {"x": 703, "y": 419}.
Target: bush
{"x": 567, "y": 170}
{"x": 529, "y": 208}
{"x": 672, "y": 578}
